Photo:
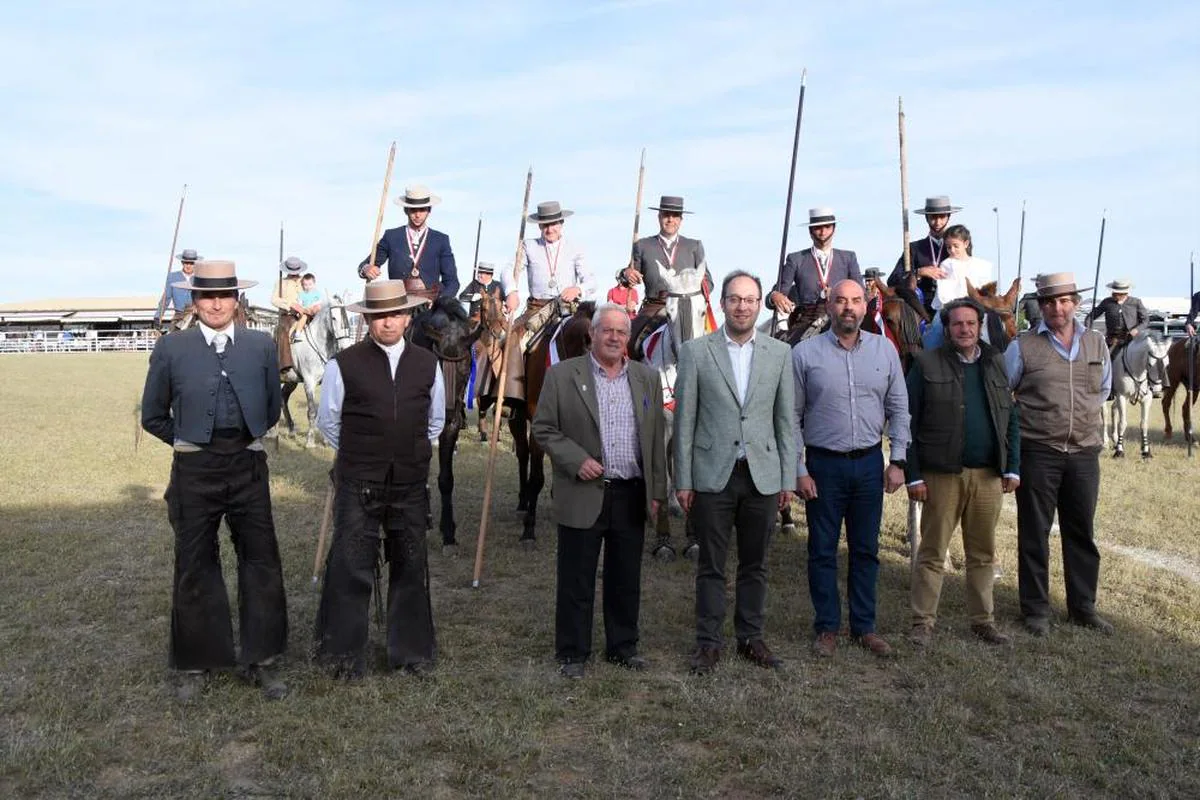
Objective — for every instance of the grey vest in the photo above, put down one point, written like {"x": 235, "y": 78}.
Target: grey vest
{"x": 1060, "y": 400}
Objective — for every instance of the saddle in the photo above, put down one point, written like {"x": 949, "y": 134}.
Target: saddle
{"x": 534, "y": 325}
{"x": 805, "y": 321}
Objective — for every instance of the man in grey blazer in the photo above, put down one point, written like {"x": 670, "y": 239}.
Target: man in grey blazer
{"x": 735, "y": 463}
{"x": 211, "y": 393}
{"x": 806, "y": 275}
{"x": 600, "y": 419}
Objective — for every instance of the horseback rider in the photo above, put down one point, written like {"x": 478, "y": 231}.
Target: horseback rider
{"x": 415, "y": 253}
{"x": 665, "y": 251}
{"x": 1124, "y": 315}
{"x": 287, "y": 300}
{"x": 806, "y": 276}
{"x": 926, "y": 255}
{"x": 555, "y": 270}
{"x": 178, "y": 296}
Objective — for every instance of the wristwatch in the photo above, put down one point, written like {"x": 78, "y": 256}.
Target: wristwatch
{"x": 899, "y": 462}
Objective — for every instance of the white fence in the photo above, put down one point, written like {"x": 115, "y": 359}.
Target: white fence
{"x": 88, "y": 341}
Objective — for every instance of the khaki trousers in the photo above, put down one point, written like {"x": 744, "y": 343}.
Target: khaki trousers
{"x": 972, "y": 498}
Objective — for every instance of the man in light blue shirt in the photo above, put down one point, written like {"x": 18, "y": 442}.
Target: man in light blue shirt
{"x": 175, "y": 295}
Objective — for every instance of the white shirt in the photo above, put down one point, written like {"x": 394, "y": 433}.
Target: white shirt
{"x": 209, "y": 333}
{"x": 740, "y": 356}
{"x": 954, "y": 285}
{"x": 570, "y": 269}
{"x": 333, "y": 394}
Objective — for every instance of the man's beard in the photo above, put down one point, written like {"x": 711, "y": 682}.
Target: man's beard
{"x": 846, "y": 325}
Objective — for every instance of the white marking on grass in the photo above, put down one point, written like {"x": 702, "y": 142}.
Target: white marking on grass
{"x": 1181, "y": 566}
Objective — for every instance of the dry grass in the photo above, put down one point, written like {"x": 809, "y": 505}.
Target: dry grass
{"x": 86, "y": 570}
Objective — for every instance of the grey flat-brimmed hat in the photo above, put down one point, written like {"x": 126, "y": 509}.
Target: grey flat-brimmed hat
{"x": 293, "y": 266}
{"x": 1120, "y": 285}
{"x": 417, "y": 196}
{"x": 188, "y": 255}
{"x": 937, "y": 205}
{"x": 550, "y": 212}
{"x": 821, "y": 216}
{"x": 382, "y": 297}
{"x": 1057, "y": 284}
{"x": 670, "y": 204}
{"x": 214, "y": 276}
{"x": 486, "y": 267}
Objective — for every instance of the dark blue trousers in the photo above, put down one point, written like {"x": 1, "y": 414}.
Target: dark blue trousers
{"x": 849, "y": 490}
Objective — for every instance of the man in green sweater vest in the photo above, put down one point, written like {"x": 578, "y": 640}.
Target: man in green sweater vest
{"x": 965, "y": 456}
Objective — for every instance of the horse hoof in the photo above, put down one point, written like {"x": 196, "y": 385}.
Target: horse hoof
{"x": 692, "y": 552}
{"x": 483, "y": 437}
{"x": 528, "y": 543}
{"x": 789, "y": 529}
{"x": 1146, "y": 456}
{"x": 664, "y": 553}
{"x": 1118, "y": 454}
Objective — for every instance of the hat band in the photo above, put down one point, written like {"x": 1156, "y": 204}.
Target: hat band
{"x": 230, "y": 282}
{"x": 552, "y": 218}
{"x": 937, "y": 209}
{"x": 821, "y": 220}
{"x": 384, "y": 302}
{"x": 416, "y": 201}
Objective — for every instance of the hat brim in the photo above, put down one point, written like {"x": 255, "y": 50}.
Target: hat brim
{"x": 1118, "y": 288}
{"x": 188, "y": 285}
{"x": 409, "y": 301}
{"x": 551, "y": 220}
{"x": 403, "y": 202}
{"x": 670, "y": 210}
{"x": 937, "y": 212}
{"x": 189, "y": 260}
{"x": 823, "y": 222}
{"x": 1063, "y": 293}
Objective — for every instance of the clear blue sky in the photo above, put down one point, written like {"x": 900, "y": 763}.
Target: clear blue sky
{"x": 277, "y": 111}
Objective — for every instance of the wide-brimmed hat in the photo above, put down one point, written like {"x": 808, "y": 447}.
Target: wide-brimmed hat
{"x": 669, "y": 204}
{"x": 188, "y": 255}
{"x": 486, "y": 267}
{"x": 417, "y": 197}
{"x": 381, "y": 297}
{"x": 293, "y": 266}
{"x": 1120, "y": 285}
{"x": 1057, "y": 284}
{"x": 871, "y": 273}
{"x": 937, "y": 205}
{"x": 214, "y": 276}
{"x": 821, "y": 216}
{"x": 550, "y": 212}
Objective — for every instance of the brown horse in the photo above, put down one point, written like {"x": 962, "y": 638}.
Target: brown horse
{"x": 573, "y": 339}
{"x": 1177, "y": 375}
{"x": 902, "y": 322}
{"x": 1000, "y": 321}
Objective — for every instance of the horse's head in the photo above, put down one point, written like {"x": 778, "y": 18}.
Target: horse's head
{"x": 1158, "y": 359}
{"x": 685, "y": 296}
{"x": 445, "y": 329}
{"x": 339, "y": 324}
{"x": 1001, "y": 307}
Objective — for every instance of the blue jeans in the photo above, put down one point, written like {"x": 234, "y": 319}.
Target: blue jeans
{"x": 935, "y": 334}
{"x": 850, "y": 490}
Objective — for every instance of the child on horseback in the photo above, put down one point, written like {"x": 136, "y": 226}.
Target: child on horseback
{"x": 310, "y": 304}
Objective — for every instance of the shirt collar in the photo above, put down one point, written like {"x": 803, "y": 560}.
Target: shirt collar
{"x": 974, "y": 356}
{"x": 669, "y": 240}
{"x": 1042, "y": 328}
{"x": 599, "y": 368}
{"x": 209, "y": 333}
{"x": 396, "y": 349}
{"x": 833, "y": 339}
{"x": 731, "y": 343}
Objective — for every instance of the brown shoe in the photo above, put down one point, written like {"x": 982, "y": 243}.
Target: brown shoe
{"x": 825, "y": 645}
{"x": 757, "y": 653}
{"x": 875, "y": 643}
{"x": 920, "y": 634}
{"x": 705, "y": 659}
{"x": 990, "y": 634}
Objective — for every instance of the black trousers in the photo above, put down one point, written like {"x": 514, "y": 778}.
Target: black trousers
{"x": 205, "y": 487}
{"x": 621, "y": 528}
{"x": 1070, "y": 484}
{"x": 361, "y": 510}
{"x": 715, "y": 516}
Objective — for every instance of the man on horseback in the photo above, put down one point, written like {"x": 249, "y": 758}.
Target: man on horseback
{"x": 666, "y": 251}
{"x": 557, "y": 277}
{"x": 926, "y": 255}
{"x": 415, "y": 253}
{"x": 1124, "y": 315}
{"x": 807, "y": 275}
{"x": 382, "y": 405}
{"x": 178, "y": 294}
{"x": 287, "y": 300}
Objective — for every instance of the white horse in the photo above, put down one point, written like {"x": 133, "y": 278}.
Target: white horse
{"x": 325, "y": 335}
{"x": 687, "y": 315}
{"x": 1138, "y": 373}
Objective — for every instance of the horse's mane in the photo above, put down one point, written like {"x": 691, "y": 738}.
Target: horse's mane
{"x": 586, "y": 309}
{"x": 448, "y": 305}
{"x": 909, "y": 324}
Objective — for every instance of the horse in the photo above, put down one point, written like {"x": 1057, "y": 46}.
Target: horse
{"x": 1138, "y": 372}
{"x": 325, "y": 335}
{"x": 445, "y": 329}
{"x": 564, "y": 338}
{"x": 902, "y": 322}
{"x": 1000, "y": 317}
{"x": 687, "y": 317}
{"x": 1178, "y": 355}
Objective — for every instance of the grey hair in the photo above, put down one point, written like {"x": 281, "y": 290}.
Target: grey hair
{"x": 603, "y": 309}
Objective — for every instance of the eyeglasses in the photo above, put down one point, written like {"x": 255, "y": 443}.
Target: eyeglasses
{"x": 734, "y": 300}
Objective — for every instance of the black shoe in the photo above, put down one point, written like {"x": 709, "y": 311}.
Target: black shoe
{"x": 188, "y": 685}
{"x": 421, "y": 669}
{"x": 572, "y": 669}
{"x": 268, "y": 678}
{"x": 633, "y": 662}
{"x": 757, "y": 653}
{"x": 705, "y": 659}
{"x": 1037, "y": 626}
{"x": 1094, "y": 621}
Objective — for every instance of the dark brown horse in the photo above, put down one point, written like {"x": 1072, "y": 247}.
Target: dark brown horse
{"x": 901, "y": 320}
{"x": 1177, "y": 376}
{"x": 571, "y": 336}
{"x": 445, "y": 329}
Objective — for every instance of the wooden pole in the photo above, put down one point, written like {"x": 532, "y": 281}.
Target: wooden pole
{"x": 1020, "y": 253}
{"x": 162, "y": 301}
{"x": 1189, "y": 349}
{"x": 478, "y": 233}
{"x": 1099, "y": 256}
{"x": 637, "y": 203}
{"x": 787, "y": 209}
{"x": 326, "y": 522}
{"x": 904, "y": 192}
{"x": 996, "y": 211}
{"x": 387, "y": 182}
{"x": 494, "y": 436}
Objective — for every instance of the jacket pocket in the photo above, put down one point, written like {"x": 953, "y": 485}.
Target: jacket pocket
{"x": 1095, "y": 376}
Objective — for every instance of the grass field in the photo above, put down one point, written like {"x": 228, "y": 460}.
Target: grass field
{"x": 85, "y": 572}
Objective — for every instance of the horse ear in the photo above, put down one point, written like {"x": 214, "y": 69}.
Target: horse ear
{"x": 882, "y": 288}
{"x": 972, "y": 292}
{"x": 1013, "y": 292}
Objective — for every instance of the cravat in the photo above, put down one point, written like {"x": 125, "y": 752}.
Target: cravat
{"x": 219, "y": 340}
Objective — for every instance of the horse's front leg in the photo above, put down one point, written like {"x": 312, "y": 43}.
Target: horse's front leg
{"x": 518, "y": 428}
{"x": 1120, "y": 423}
{"x": 310, "y": 396}
{"x": 1168, "y": 396}
{"x": 537, "y": 479}
{"x": 1146, "y": 426}
{"x": 288, "y": 388}
{"x": 1189, "y": 397}
{"x": 446, "y": 444}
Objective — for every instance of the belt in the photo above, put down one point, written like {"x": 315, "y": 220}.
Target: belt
{"x": 622, "y": 483}
{"x": 859, "y": 453}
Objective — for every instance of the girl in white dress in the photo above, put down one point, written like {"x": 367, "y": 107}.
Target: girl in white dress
{"x": 952, "y": 275}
